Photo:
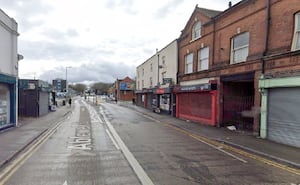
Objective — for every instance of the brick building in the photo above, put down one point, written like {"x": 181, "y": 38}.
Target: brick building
{"x": 224, "y": 55}
{"x": 124, "y": 89}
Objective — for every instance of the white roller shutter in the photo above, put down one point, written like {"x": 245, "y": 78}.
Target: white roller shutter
{"x": 284, "y": 116}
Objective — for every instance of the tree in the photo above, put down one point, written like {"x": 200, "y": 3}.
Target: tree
{"x": 78, "y": 87}
{"x": 100, "y": 87}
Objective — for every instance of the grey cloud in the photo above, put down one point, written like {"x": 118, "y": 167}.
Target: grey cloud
{"x": 59, "y": 51}
{"x": 59, "y": 35}
{"x": 127, "y": 5}
{"x": 167, "y": 8}
{"x": 94, "y": 71}
{"x": 26, "y": 9}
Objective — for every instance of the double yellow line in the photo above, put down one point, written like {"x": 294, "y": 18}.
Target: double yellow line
{"x": 21, "y": 159}
{"x": 235, "y": 150}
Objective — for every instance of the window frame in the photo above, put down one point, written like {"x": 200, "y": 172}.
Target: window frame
{"x": 296, "y": 35}
{"x": 186, "y": 69}
{"x": 239, "y": 48}
{"x": 201, "y": 58}
{"x": 196, "y": 30}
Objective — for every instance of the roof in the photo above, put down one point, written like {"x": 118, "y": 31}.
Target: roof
{"x": 208, "y": 12}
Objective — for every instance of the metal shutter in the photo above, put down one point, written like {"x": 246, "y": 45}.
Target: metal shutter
{"x": 43, "y": 103}
{"x": 284, "y": 116}
{"x": 195, "y": 105}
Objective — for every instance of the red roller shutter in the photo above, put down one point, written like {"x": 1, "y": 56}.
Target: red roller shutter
{"x": 196, "y": 107}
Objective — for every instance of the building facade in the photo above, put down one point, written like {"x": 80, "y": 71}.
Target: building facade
{"x": 124, "y": 89}
{"x": 8, "y": 71}
{"x": 59, "y": 85}
{"x": 156, "y": 78}
{"x": 250, "y": 49}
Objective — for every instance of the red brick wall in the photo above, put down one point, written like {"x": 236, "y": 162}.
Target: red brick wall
{"x": 248, "y": 16}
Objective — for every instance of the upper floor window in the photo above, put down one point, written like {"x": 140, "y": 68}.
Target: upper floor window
{"x": 163, "y": 60}
{"x": 151, "y": 67}
{"x": 143, "y": 72}
{"x": 196, "y": 31}
{"x": 239, "y": 48}
{"x": 189, "y": 63}
{"x": 203, "y": 59}
{"x": 151, "y": 82}
{"x": 296, "y": 39}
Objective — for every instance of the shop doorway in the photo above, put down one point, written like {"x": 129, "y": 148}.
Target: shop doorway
{"x": 238, "y": 102}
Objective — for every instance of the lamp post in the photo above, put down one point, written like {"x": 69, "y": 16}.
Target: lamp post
{"x": 67, "y": 78}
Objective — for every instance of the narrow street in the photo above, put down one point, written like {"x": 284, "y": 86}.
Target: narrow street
{"x": 111, "y": 144}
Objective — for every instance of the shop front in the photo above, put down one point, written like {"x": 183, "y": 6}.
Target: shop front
{"x": 197, "y": 103}
{"x": 280, "y": 115}
{"x": 7, "y": 101}
{"x": 145, "y": 98}
{"x": 164, "y": 100}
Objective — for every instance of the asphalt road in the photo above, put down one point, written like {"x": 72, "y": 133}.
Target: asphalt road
{"x": 110, "y": 144}
{"x": 170, "y": 157}
{"x": 80, "y": 152}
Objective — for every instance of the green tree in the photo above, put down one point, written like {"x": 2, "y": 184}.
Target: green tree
{"x": 79, "y": 87}
{"x": 100, "y": 87}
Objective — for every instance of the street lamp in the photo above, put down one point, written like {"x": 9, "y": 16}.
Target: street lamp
{"x": 67, "y": 78}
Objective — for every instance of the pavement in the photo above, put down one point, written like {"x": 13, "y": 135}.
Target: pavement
{"x": 14, "y": 140}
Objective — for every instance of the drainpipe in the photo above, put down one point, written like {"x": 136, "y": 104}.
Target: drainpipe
{"x": 263, "y": 113}
{"x": 267, "y": 36}
{"x": 214, "y": 40}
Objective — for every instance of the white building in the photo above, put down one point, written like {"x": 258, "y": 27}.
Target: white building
{"x": 156, "y": 78}
{"x": 8, "y": 71}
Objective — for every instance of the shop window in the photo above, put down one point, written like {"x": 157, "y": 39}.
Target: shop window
{"x": 189, "y": 63}
{"x": 239, "y": 48}
{"x": 296, "y": 39}
{"x": 203, "y": 59}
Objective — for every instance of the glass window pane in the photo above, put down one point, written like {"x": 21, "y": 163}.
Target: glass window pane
{"x": 241, "y": 55}
{"x": 298, "y": 40}
{"x": 204, "y": 64}
{"x": 298, "y": 21}
{"x": 204, "y": 53}
{"x": 241, "y": 40}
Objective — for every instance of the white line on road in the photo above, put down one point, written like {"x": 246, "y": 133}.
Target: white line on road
{"x": 113, "y": 140}
{"x": 65, "y": 183}
{"x": 139, "y": 171}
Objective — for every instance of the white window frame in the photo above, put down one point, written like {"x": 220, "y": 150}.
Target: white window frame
{"x": 243, "y": 50}
{"x": 196, "y": 30}
{"x": 188, "y": 63}
{"x": 296, "y": 37}
{"x": 203, "y": 59}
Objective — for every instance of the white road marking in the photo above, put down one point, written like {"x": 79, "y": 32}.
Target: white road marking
{"x": 65, "y": 183}
{"x": 139, "y": 171}
{"x": 113, "y": 140}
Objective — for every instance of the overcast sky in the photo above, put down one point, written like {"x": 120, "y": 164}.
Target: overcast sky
{"x": 100, "y": 39}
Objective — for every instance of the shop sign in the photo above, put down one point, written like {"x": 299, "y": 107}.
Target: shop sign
{"x": 201, "y": 87}
{"x": 160, "y": 91}
{"x": 147, "y": 90}
{"x": 127, "y": 86}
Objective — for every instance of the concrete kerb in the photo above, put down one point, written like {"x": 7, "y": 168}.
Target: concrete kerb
{"x": 17, "y": 152}
{"x": 262, "y": 154}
